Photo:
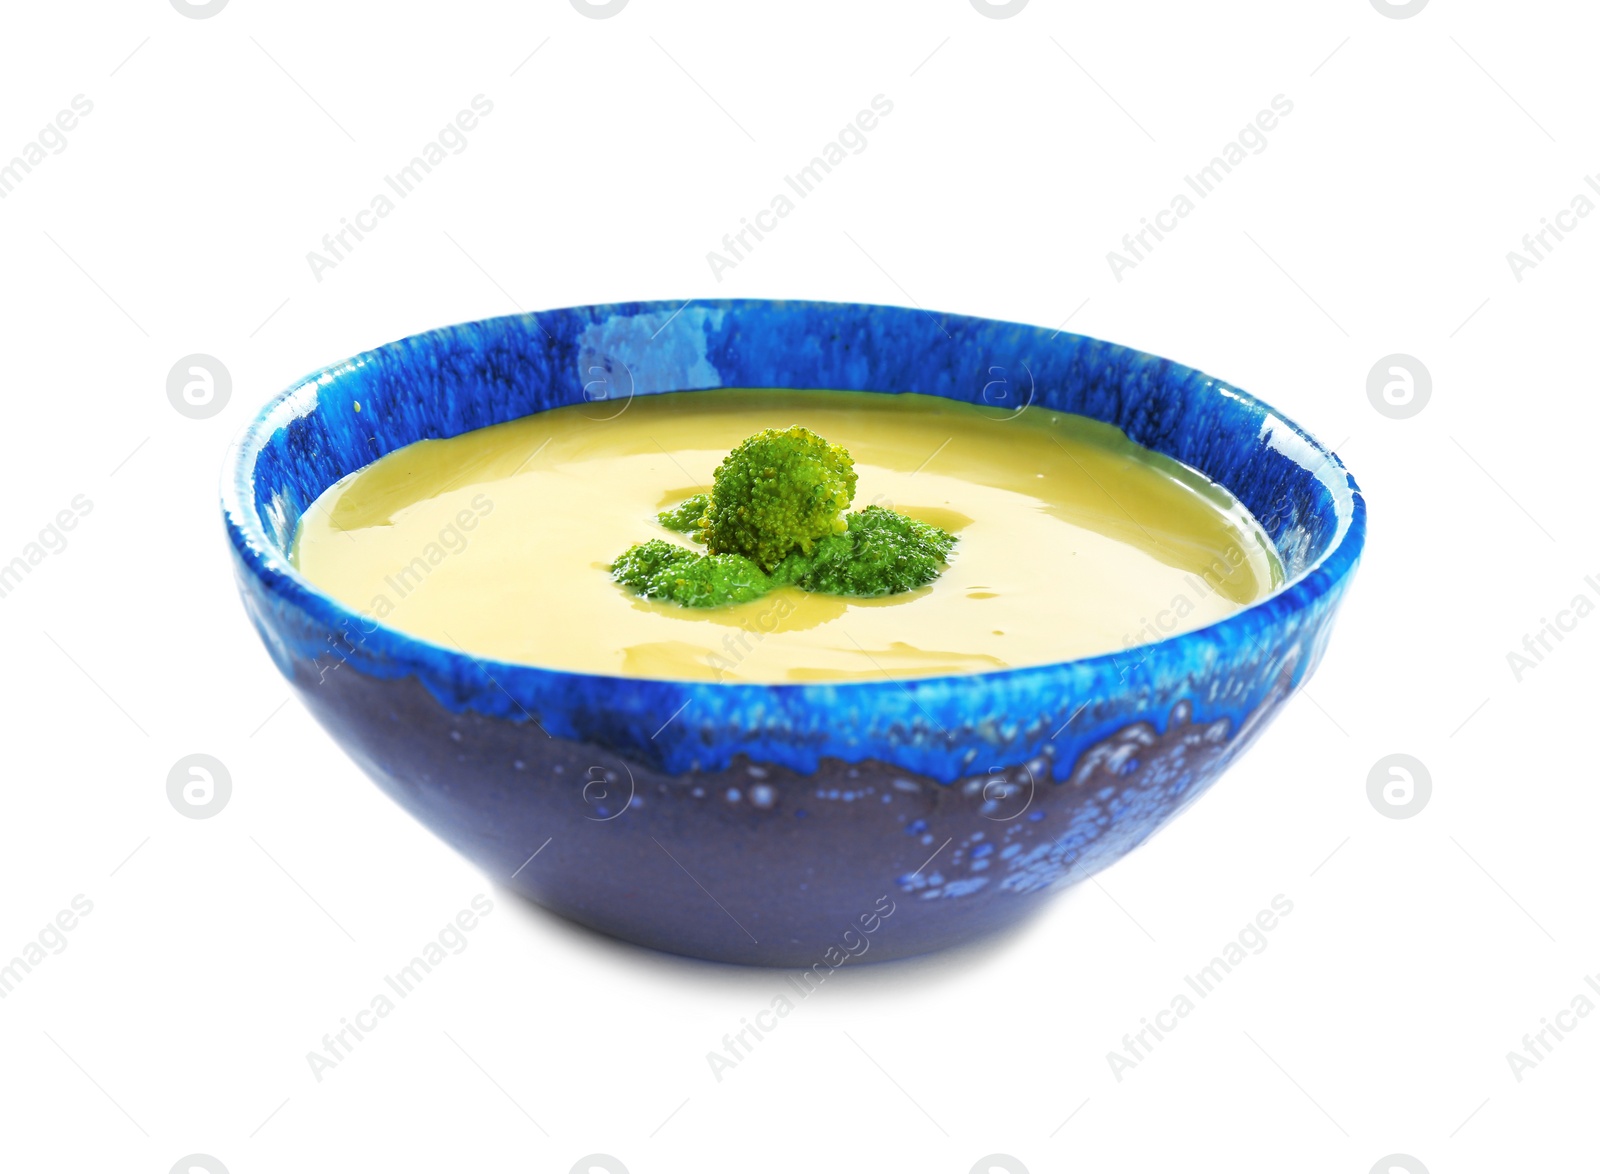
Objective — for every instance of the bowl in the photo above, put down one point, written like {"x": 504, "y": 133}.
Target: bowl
{"x": 800, "y": 825}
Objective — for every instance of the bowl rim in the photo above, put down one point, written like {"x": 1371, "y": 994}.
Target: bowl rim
{"x": 272, "y": 568}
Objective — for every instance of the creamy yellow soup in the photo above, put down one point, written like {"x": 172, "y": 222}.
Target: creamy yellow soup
{"x": 1072, "y": 540}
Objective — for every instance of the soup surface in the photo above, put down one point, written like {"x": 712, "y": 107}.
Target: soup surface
{"x": 1072, "y": 540}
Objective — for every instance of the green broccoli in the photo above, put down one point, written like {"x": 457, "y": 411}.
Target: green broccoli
{"x": 661, "y": 570}
{"x": 775, "y": 518}
{"x": 884, "y": 553}
{"x": 776, "y": 493}
{"x": 798, "y": 565}
{"x": 687, "y": 516}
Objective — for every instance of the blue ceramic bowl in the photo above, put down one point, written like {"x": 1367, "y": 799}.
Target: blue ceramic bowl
{"x": 792, "y": 825}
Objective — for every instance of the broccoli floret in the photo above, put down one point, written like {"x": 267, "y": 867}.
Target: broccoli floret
{"x": 687, "y": 516}
{"x": 882, "y": 553}
{"x": 775, "y": 518}
{"x": 798, "y": 565}
{"x": 779, "y": 492}
{"x": 661, "y": 570}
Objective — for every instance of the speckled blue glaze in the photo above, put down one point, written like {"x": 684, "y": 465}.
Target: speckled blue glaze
{"x": 762, "y": 823}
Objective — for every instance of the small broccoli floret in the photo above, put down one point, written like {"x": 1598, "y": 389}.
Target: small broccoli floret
{"x": 883, "y": 553}
{"x": 779, "y": 492}
{"x": 687, "y": 516}
{"x": 661, "y": 570}
{"x": 775, "y": 518}
{"x": 799, "y": 565}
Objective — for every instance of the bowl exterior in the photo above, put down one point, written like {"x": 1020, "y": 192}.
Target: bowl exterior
{"x": 789, "y": 825}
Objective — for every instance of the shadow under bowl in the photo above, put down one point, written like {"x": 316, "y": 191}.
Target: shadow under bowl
{"x": 786, "y": 825}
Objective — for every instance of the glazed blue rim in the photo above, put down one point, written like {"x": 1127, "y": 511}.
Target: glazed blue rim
{"x": 444, "y": 670}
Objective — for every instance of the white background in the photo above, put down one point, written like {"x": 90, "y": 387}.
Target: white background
{"x": 177, "y": 220}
